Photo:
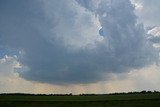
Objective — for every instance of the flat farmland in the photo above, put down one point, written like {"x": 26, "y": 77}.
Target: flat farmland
{"x": 122, "y": 100}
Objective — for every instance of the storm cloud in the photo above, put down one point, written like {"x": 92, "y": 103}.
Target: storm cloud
{"x": 74, "y": 41}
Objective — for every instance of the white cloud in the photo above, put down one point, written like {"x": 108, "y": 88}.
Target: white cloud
{"x": 155, "y": 37}
{"x": 155, "y": 31}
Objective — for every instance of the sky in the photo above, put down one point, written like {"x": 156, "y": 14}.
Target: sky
{"x": 79, "y": 46}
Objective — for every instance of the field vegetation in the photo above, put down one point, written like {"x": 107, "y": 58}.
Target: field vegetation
{"x": 131, "y": 99}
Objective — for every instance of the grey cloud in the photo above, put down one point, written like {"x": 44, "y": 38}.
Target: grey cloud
{"x": 58, "y": 40}
{"x": 149, "y": 12}
{"x": 155, "y": 39}
{"x": 90, "y": 5}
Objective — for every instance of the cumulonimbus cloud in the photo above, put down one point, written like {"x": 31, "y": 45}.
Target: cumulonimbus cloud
{"x": 59, "y": 42}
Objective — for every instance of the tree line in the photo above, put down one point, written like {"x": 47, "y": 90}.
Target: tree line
{"x": 70, "y": 94}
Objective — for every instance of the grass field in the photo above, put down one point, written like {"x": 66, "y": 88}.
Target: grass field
{"x": 123, "y": 100}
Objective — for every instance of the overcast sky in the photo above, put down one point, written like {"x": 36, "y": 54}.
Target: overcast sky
{"x": 79, "y": 46}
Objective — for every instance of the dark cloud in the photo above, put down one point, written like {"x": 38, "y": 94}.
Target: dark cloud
{"x": 58, "y": 41}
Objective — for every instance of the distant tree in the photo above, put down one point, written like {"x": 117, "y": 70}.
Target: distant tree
{"x": 143, "y": 92}
{"x": 70, "y": 94}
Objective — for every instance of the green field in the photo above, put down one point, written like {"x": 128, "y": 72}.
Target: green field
{"x": 122, "y": 100}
